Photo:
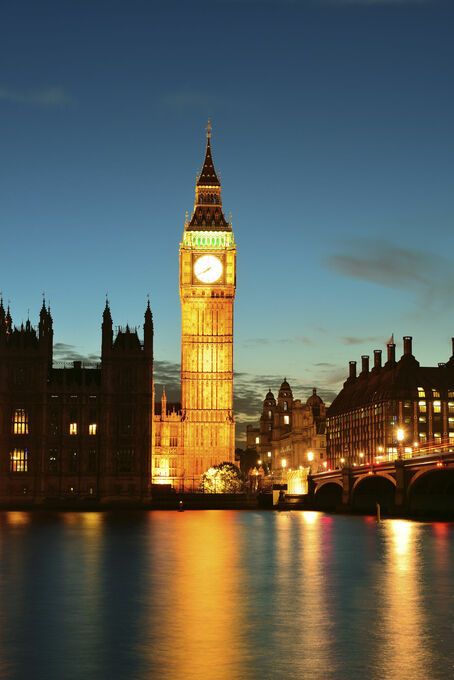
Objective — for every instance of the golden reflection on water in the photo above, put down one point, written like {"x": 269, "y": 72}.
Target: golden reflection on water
{"x": 200, "y": 616}
{"x": 17, "y": 518}
{"x": 404, "y": 653}
{"x": 315, "y": 615}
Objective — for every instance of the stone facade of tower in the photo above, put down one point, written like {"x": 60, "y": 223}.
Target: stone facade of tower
{"x": 206, "y": 435}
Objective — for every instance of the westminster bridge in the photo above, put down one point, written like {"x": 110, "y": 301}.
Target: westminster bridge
{"x": 423, "y": 483}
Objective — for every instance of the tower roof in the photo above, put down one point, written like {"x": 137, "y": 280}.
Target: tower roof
{"x": 208, "y": 176}
{"x": 208, "y": 214}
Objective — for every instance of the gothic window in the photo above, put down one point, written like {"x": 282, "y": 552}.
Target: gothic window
{"x": 286, "y": 420}
{"x": 126, "y": 421}
{"x": 270, "y": 414}
{"x": 157, "y": 439}
{"x": 124, "y": 460}
{"x": 54, "y": 423}
{"x": 73, "y": 461}
{"x": 285, "y": 405}
{"x": 92, "y": 460}
{"x": 20, "y": 421}
{"x": 52, "y": 462}
{"x": 72, "y": 428}
{"x": 92, "y": 428}
{"x": 18, "y": 460}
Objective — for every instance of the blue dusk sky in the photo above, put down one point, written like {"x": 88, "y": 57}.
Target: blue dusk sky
{"x": 333, "y": 133}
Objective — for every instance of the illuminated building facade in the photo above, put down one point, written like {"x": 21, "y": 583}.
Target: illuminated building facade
{"x": 74, "y": 432}
{"x": 96, "y": 431}
{"x": 393, "y": 410}
{"x": 291, "y": 434}
{"x": 206, "y": 434}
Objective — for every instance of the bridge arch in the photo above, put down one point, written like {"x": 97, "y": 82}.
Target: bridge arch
{"x": 431, "y": 491}
{"x": 328, "y": 494}
{"x": 374, "y": 474}
{"x": 368, "y": 490}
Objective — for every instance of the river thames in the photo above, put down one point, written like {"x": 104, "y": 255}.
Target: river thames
{"x": 224, "y": 595}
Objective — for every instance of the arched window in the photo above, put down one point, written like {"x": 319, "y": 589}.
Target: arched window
{"x": 270, "y": 414}
{"x": 285, "y": 405}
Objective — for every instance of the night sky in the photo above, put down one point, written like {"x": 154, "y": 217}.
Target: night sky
{"x": 333, "y": 133}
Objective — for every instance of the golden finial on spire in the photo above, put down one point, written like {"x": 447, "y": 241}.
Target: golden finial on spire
{"x": 208, "y": 129}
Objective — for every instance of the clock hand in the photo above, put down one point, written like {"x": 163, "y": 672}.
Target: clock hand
{"x": 206, "y": 270}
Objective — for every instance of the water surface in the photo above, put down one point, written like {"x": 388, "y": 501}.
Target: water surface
{"x": 224, "y": 595}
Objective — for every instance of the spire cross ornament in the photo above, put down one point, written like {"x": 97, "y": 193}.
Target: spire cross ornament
{"x": 208, "y": 129}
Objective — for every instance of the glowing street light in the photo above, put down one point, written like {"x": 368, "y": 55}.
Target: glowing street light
{"x": 310, "y": 456}
{"x": 400, "y": 438}
{"x": 284, "y": 463}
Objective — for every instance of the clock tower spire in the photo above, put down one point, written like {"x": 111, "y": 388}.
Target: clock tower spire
{"x": 207, "y": 292}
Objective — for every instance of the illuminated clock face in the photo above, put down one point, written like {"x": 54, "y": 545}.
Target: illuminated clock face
{"x": 208, "y": 269}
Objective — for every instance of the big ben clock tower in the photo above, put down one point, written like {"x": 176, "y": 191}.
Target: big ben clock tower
{"x": 207, "y": 291}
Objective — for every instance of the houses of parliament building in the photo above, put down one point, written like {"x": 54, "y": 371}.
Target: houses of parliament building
{"x": 96, "y": 432}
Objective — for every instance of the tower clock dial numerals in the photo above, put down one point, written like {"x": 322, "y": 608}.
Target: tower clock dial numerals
{"x": 208, "y": 269}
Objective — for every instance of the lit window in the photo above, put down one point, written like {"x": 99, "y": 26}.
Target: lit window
{"x": 437, "y": 406}
{"x": 451, "y": 423}
{"x": 18, "y": 459}
{"x": 421, "y": 392}
{"x": 285, "y": 405}
{"x": 72, "y": 428}
{"x": 286, "y": 420}
{"x": 423, "y": 436}
{"x": 91, "y": 428}
{"x": 269, "y": 454}
{"x": 422, "y": 406}
{"x": 437, "y": 437}
{"x": 20, "y": 421}
{"x": 450, "y": 394}
{"x": 435, "y": 393}
{"x": 257, "y": 440}
{"x": 451, "y": 406}
{"x": 270, "y": 414}
{"x": 422, "y": 419}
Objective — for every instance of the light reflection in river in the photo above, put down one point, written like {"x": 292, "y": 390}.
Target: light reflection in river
{"x": 224, "y": 596}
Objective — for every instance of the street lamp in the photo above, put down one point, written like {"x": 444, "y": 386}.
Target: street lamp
{"x": 400, "y": 438}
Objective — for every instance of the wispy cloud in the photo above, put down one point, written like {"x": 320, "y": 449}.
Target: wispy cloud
{"x": 51, "y": 96}
{"x": 255, "y": 342}
{"x": 68, "y": 353}
{"x": 429, "y": 277}
{"x": 185, "y": 98}
{"x": 361, "y": 341}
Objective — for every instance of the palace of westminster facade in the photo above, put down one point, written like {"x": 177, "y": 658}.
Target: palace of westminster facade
{"x": 81, "y": 433}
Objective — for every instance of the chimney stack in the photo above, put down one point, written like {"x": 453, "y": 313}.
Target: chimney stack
{"x": 407, "y": 344}
{"x": 377, "y": 358}
{"x": 365, "y": 363}
{"x": 391, "y": 352}
{"x": 352, "y": 369}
